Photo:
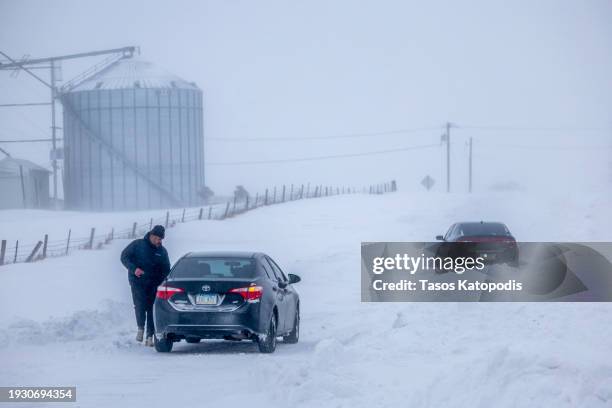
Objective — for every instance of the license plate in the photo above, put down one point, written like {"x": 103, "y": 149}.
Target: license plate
{"x": 206, "y": 299}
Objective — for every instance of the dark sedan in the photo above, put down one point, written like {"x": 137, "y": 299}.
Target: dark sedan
{"x": 491, "y": 240}
{"x": 227, "y": 295}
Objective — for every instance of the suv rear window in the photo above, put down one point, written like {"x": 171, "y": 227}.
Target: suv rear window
{"x": 210, "y": 268}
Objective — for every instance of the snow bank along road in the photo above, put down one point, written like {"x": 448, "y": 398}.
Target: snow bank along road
{"x": 68, "y": 321}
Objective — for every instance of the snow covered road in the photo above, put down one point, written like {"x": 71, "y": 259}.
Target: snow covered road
{"x": 68, "y": 321}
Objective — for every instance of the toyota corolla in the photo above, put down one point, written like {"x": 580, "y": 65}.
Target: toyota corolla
{"x": 227, "y": 295}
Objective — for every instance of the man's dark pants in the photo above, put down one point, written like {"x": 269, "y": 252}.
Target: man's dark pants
{"x": 143, "y": 295}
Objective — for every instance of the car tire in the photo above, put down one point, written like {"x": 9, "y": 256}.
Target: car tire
{"x": 514, "y": 262}
{"x": 162, "y": 345}
{"x": 192, "y": 340}
{"x": 294, "y": 336}
{"x": 267, "y": 343}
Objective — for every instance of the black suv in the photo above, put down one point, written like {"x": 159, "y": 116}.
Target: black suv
{"x": 227, "y": 295}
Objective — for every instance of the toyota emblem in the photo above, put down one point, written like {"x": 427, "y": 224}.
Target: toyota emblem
{"x": 206, "y": 288}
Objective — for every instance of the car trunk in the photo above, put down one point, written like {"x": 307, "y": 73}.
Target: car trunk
{"x": 208, "y": 294}
{"x": 486, "y": 245}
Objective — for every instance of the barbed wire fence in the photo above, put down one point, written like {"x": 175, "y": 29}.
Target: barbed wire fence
{"x": 18, "y": 252}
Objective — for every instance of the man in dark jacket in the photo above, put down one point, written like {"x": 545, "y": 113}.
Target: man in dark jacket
{"x": 148, "y": 265}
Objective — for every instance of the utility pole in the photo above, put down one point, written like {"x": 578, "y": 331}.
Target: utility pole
{"x": 53, "y": 134}
{"x": 470, "y": 167}
{"x": 448, "y": 144}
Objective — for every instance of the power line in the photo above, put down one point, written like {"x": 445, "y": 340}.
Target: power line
{"x": 543, "y": 147}
{"x": 27, "y": 140}
{"x": 17, "y": 105}
{"x": 343, "y": 136}
{"x": 313, "y": 158}
{"x": 534, "y": 128}
{"x": 509, "y": 128}
{"x": 33, "y": 124}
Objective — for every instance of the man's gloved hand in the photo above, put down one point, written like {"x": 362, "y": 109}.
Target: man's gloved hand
{"x": 138, "y": 272}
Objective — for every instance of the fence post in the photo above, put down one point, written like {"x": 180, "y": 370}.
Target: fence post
{"x": 33, "y": 253}
{"x": 167, "y": 219}
{"x": 274, "y": 200}
{"x": 91, "y": 238}
{"x": 201, "y": 211}
{"x": 44, "y": 252}
{"x": 209, "y": 211}
{"x": 183, "y": 216}
{"x": 134, "y": 230}
{"x": 68, "y": 241}
{"x": 226, "y": 210}
{"x": 283, "y": 200}
{"x": 266, "y": 199}
{"x": 291, "y": 193}
{"x": 256, "y": 199}
{"x": 16, "y": 250}
{"x": 246, "y": 206}
{"x": 234, "y": 207}
{"x": 2, "y": 251}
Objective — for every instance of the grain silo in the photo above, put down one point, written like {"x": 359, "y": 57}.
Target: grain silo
{"x": 133, "y": 139}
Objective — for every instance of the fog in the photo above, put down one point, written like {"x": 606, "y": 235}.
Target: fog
{"x": 530, "y": 82}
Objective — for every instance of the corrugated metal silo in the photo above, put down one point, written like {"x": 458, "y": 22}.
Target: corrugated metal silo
{"x": 133, "y": 138}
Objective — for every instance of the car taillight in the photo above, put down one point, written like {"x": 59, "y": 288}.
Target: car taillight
{"x": 250, "y": 293}
{"x": 487, "y": 239}
{"x": 166, "y": 292}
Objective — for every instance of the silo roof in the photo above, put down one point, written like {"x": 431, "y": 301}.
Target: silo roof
{"x": 129, "y": 73}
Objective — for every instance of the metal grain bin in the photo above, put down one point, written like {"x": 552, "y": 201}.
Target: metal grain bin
{"x": 133, "y": 139}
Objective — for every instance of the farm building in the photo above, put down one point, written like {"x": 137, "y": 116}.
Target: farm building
{"x": 23, "y": 184}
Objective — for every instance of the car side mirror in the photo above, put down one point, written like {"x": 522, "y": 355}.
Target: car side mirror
{"x": 282, "y": 284}
{"x": 439, "y": 238}
{"x": 294, "y": 278}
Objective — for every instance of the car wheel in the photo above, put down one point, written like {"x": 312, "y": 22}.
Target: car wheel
{"x": 162, "y": 345}
{"x": 514, "y": 262}
{"x": 294, "y": 336}
{"x": 267, "y": 343}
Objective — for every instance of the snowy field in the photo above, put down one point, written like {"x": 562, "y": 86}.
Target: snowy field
{"x": 69, "y": 321}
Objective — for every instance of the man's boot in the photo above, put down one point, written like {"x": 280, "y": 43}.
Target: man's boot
{"x": 149, "y": 341}
{"x": 139, "y": 334}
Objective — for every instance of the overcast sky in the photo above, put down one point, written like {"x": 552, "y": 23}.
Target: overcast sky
{"x": 327, "y": 68}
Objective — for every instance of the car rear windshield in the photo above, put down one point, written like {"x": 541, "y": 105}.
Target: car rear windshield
{"x": 486, "y": 228}
{"x": 211, "y": 268}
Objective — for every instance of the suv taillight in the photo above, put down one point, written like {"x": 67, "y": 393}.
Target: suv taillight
{"x": 166, "y": 292}
{"x": 250, "y": 293}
